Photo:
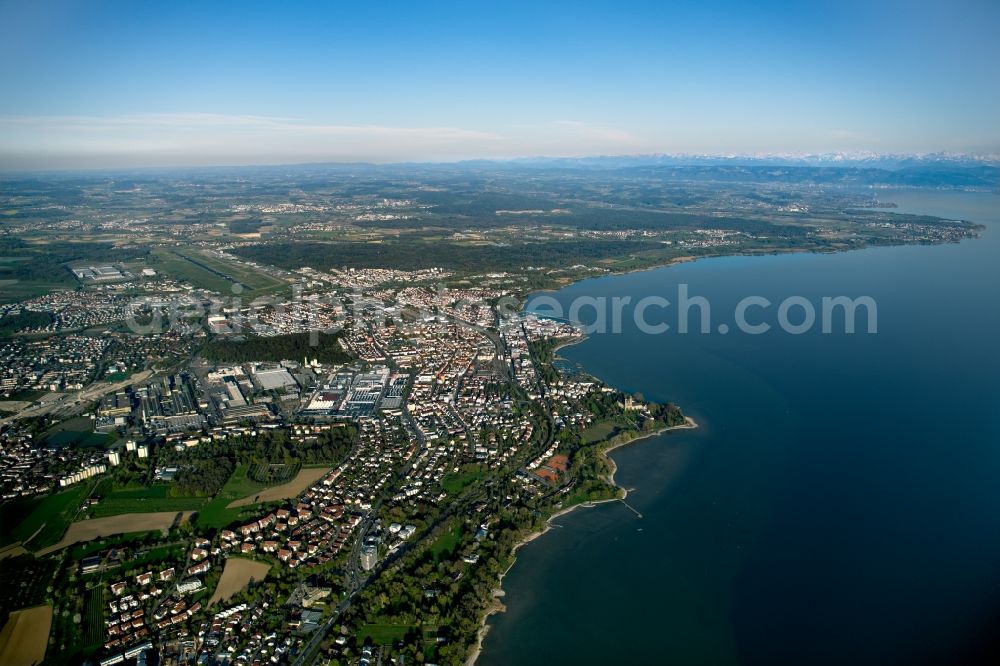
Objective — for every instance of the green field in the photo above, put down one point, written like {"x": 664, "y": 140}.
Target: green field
{"x": 209, "y": 272}
{"x": 455, "y": 482}
{"x": 240, "y": 484}
{"x": 447, "y": 542}
{"x": 272, "y": 474}
{"x": 116, "y": 506}
{"x": 212, "y": 512}
{"x": 77, "y": 438}
{"x": 248, "y": 277}
{"x": 117, "y": 376}
{"x": 77, "y": 431}
{"x": 132, "y": 539}
{"x": 215, "y": 514}
{"x": 165, "y": 261}
{"x": 157, "y": 491}
{"x": 140, "y": 500}
{"x": 384, "y": 634}
{"x": 49, "y": 516}
{"x": 93, "y": 622}
{"x": 599, "y": 432}
{"x": 27, "y": 395}
{"x": 160, "y": 553}
{"x": 12, "y": 291}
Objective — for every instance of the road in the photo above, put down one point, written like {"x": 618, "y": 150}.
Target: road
{"x": 494, "y": 337}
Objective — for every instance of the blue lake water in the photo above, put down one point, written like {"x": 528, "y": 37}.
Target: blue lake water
{"x": 840, "y": 502}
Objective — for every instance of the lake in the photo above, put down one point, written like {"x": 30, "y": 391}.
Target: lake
{"x": 840, "y": 502}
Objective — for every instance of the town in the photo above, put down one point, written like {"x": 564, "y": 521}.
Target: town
{"x": 324, "y": 472}
{"x": 312, "y": 430}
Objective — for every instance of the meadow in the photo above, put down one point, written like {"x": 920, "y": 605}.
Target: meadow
{"x": 45, "y": 519}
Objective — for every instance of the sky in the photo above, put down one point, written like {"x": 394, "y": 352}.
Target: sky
{"x": 118, "y": 84}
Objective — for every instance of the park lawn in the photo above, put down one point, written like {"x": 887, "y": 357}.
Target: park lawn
{"x": 49, "y": 516}
{"x": 599, "y": 432}
{"x": 384, "y": 634}
{"x": 447, "y": 542}
{"x": 455, "y": 482}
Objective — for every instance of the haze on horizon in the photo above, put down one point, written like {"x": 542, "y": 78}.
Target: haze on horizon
{"x": 118, "y": 84}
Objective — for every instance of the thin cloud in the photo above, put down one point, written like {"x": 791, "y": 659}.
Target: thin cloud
{"x": 154, "y": 121}
{"x": 585, "y": 130}
{"x": 200, "y": 138}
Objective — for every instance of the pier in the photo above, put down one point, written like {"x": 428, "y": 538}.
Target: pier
{"x": 631, "y": 508}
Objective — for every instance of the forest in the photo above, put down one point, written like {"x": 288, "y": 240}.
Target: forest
{"x": 294, "y": 346}
{"x": 415, "y": 255}
{"x": 25, "y": 319}
{"x": 48, "y": 261}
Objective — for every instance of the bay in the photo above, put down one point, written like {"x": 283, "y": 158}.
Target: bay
{"x": 840, "y": 502}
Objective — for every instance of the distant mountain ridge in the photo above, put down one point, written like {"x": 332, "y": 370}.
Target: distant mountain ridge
{"x": 844, "y": 159}
{"x": 936, "y": 170}
{"x": 980, "y": 172}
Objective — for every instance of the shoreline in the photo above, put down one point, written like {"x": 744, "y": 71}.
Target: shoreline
{"x": 979, "y": 231}
{"x": 689, "y": 424}
{"x": 761, "y": 252}
{"x": 497, "y": 606}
